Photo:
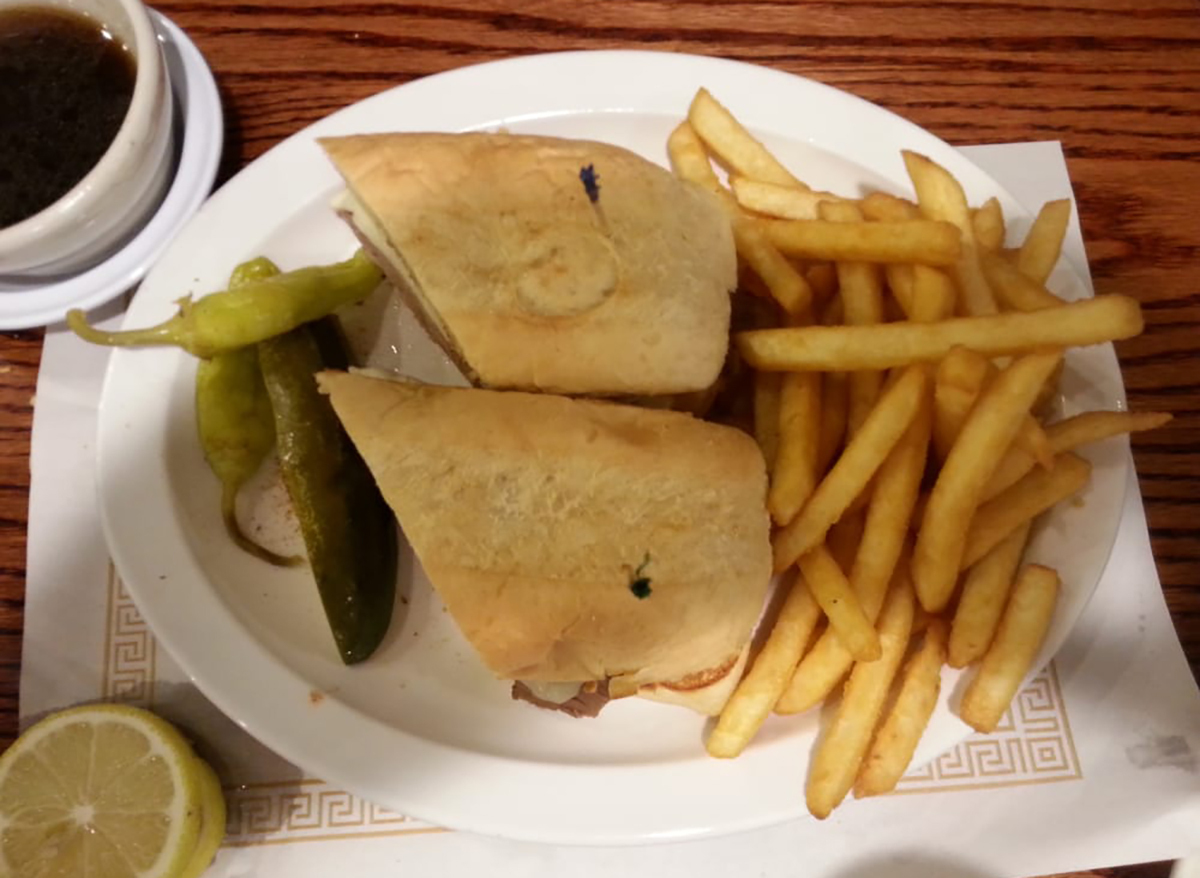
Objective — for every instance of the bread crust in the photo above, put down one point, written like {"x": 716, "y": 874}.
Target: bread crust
{"x": 532, "y": 284}
{"x": 532, "y": 514}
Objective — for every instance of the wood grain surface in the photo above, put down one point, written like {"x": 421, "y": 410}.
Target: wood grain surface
{"x": 1117, "y": 82}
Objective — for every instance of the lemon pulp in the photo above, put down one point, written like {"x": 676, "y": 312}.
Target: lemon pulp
{"x": 100, "y": 791}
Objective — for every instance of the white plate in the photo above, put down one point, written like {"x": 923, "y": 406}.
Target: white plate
{"x": 198, "y": 104}
{"x": 421, "y": 728}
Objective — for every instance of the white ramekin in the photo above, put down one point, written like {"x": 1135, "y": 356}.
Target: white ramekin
{"x": 119, "y": 193}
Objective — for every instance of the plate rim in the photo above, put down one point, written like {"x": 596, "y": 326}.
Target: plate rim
{"x": 294, "y": 749}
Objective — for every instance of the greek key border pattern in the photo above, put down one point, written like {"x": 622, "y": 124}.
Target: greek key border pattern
{"x": 1033, "y": 744}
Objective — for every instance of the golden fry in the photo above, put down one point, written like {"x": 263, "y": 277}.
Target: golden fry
{"x": 861, "y": 289}
{"x": 941, "y": 197}
{"x": 845, "y": 537}
{"x": 932, "y": 295}
{"x": 832, "y": 591}
{"x": 885, "y": 208}
{"x": 984, "y": 593}
{"x": 990, "y": 429}
{"x": 756, "y": 694}
{"x": 847, "y": 348}
{"x": 961, "y": 377}
{"x": 1068, "y": 435}
{"x": 892, "y": 749}
{"x": 690, "y": 161}
{"x": 1043, "y": 245}
{"x": 766, "y": 415}
{"x": 939, "y": 194}
{"x": 988, "y": 223}
{"x": 834, "y": 404}
{"x": 1071, "y": 433}
{"x": 1024, "y": 501}
{"x": 733, "y": 145}
{"x": 863, "y": 455}
{"x": 924, "y": 241}
{"x": 795, "y": 473}
{"x": 1016, "y": 644}
{"x": 900, "y": 284}
{"x": 1016, "y": 291}
{"x": 880, "y": 558}
{"x": 822, "y": 280}
{"x": 777, "y": 200}
{"x": 840, "y": 752}
{"x": 786, "y": 285}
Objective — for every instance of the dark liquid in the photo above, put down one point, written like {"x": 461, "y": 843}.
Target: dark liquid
{"x": 64, "y": 91}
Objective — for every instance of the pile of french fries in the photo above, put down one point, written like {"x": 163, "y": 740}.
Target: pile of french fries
{"x": 901, "y": 402}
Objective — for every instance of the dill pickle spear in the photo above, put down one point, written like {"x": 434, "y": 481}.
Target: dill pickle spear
{"x": 348, "y": 528}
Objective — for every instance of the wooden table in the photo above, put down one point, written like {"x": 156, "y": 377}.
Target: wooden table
{"x": 1117, "y": 82}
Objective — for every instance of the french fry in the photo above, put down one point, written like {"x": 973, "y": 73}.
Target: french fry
{"x": 984, "y": 593}
{"x": 864, "y": 454}
{"x": 733, "y": 145}
{"x": 776, "y": 200}
{"x": 932, "y": 295}
{"x": 1043, "y": 244}
{"x": 1014, "y": 290}
{"x": 833, "y": 592}
{"x": 893, "y": 746}
{"x": 766, "y": 415}
{"x": 1071, "y": 433}
{"x": 924, "y": 241}
{"x": 940, "y": 197}
{"x": 961, "y": 377}
{"x": 1010, "y": 657}
{"x": 1024, "y": 501}
{"x": 886, "y": 208}
{"x": 1068, "y": 435}
{"x": 822, "y": 280}
{"x": 840, "y": 752}
{"x": 786, "y": 285}
{"x": 834, "y": 313}
{"x": 900, "y": 281}
{"x": 795, "y": 472}
{"x": 842, "y": 348}
{"x": 988, "y": 223}
{"x": 690, "y": 161}
{"x": 990, "y": 429}
{"x": 834, "y": 402}
{"x": 881, "y": 551}
{"x": 861, "y": 289}
{"x": 845, "y": 537}
{"x": 757, "y": 692}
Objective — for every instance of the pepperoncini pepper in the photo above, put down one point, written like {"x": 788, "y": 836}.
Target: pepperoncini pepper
{"x": 235, "y": 422}
{"x": 264, "y": 306}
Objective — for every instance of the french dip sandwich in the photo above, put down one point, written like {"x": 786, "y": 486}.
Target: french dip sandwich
{"x": 584, "y": 548}
{"x": 546, "y": 264}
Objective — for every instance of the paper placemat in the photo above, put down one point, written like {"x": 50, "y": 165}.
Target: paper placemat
{"x": 1097, "y": 763}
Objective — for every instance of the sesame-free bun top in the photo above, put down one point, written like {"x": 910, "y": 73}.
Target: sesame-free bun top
{"x": 572, "y": 540}
{"x": 530, "y": 284}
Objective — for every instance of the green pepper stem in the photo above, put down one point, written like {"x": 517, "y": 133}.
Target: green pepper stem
{"x": 165, "y": 333}
{"x": 229, "y": 516}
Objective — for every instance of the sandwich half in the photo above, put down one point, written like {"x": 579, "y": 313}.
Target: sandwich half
{"x": 543, "y": 263}
{"x": 582, "y": 547}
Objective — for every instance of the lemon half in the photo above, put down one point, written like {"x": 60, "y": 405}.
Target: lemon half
{"x": 101, "y": 791}
{"x": 212, "y": 822}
